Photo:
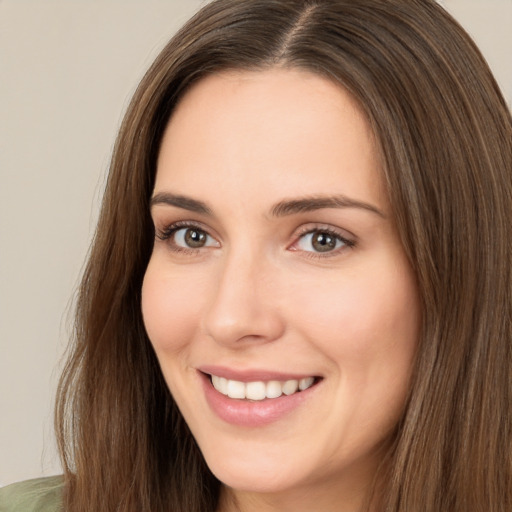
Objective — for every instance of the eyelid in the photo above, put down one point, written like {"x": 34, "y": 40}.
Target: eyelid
{"x": 166, "y": 233}
{"x": 349, "y": 240}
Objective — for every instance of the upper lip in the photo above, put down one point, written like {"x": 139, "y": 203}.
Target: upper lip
{"x": 251, "y": 375}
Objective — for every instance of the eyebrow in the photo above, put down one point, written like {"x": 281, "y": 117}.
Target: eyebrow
{"x": 186, "y": 203}
{"x": 281, "y": 209}
{"x": 308, "y": 204}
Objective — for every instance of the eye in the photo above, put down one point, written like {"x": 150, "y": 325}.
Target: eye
{"x": 192, "y": 238}
{"x": 321, "y": 241}
{"x": 186, "y": 237}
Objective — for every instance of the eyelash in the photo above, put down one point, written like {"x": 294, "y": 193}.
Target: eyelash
{"x": 347, "y": 243}
{"x": 168, "y": 232}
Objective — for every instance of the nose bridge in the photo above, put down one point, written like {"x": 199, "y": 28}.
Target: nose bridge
{"x": 242, "y": 306}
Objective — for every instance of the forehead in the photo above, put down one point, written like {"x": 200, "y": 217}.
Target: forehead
{"x": 283, "y": 129}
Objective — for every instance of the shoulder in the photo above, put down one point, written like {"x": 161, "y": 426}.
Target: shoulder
{"x": 38, "y": 495}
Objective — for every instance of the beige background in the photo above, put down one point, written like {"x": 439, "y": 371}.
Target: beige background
{"x": 67, "y": 69}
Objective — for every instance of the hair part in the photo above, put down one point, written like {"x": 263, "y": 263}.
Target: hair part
{"x": 444, "y": 133}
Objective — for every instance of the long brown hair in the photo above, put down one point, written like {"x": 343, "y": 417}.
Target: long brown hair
{"x": 445, "y": 137}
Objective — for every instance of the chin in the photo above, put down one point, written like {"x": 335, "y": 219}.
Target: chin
{"x": 256, "y": 480}
{"x": 255, "y": 473}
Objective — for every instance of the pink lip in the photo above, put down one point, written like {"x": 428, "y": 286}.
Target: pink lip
{"x": 246, "y": 413}
{"x": 250, "y": 375}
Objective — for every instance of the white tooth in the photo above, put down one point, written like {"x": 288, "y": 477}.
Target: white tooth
{"x": 255, "y": 390}
{"x": 290, "y": 386}
{"x": 306, "y": 383}
{"x": 220, "y": 384}
{"x": 215, "y": 382}
{"x": 236, "y": 389}
{"x": 274, "y": 389}
{"x": 223, "y": 385}
{"x": 259, "y": 390}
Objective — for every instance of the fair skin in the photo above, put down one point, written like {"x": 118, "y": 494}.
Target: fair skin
{"x": 285, "y": 266}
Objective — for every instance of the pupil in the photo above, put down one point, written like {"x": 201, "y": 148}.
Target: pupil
{"x": 323, "y": 242}
{"x": 195, "y": 238}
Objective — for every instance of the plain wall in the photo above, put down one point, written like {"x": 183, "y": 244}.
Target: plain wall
{"x": 67, "y": 70}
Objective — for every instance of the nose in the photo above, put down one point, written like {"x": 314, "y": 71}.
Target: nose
{"x": 243, "y": 307}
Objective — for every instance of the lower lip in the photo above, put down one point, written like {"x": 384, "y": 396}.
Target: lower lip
{"x": 247, "y": 413}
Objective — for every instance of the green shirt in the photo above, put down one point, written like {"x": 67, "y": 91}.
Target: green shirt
{"x": 38, "y": 495}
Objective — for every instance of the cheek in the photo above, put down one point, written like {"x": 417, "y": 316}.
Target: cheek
{"x": 368, "y": 326}
{"x": 364, "y": 319}
{"x": 170, "y": 309}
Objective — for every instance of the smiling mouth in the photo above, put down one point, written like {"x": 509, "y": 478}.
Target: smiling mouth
{"x": 261, "y": 390}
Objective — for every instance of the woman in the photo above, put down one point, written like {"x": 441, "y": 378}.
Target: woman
{"x": 298, "y": 296}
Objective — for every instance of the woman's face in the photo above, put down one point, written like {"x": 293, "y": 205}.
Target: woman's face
{"x": 277, "y": 267}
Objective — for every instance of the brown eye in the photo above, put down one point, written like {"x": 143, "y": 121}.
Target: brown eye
{"x": 321, "y": 241}
{"x": 195, "y": 238}
{"x": 192, "y": 238}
